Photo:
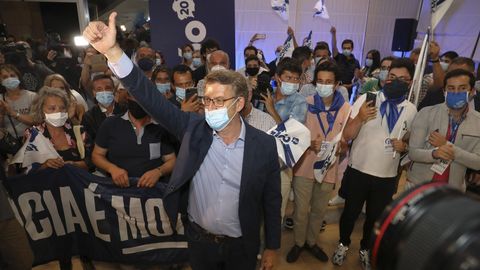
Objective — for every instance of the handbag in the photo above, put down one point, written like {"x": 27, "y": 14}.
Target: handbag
{"x": 8, "y": 143}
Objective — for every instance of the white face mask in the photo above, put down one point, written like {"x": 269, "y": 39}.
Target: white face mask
{"x": 56, "y": 119}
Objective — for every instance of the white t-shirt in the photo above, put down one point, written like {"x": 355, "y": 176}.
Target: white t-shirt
{"x": 21, "y": 106}
{"x": 370, "y": 153}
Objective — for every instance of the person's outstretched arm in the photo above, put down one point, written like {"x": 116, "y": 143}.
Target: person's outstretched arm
{"x": 103, "y": 39}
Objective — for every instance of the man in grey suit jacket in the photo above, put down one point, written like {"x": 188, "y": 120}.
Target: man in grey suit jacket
{"x": 445, "y": 138}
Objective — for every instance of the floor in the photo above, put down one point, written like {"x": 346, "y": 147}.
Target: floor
{"x": 327, "y": 240}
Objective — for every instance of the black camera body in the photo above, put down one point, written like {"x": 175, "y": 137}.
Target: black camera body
{"x": 15, "y": 54}
{"x": 263, "y": 87}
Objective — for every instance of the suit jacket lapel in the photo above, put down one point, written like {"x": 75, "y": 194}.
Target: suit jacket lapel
{"x": 248, "y": 160}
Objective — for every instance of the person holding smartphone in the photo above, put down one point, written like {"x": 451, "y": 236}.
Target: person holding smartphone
{"x": 378, "y": 128}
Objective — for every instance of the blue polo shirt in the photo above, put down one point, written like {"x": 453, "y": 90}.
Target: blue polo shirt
{"x": 135, "y": 154}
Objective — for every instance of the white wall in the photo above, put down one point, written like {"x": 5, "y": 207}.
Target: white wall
{"x": 459, "y": 28}
{"x": 354, "y": 19}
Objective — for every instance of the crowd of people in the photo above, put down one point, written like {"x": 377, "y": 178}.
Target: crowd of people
{"x": 116, "y": 109}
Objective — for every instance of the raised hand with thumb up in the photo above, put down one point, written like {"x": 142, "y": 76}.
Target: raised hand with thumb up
{"x": 103, "y": 38}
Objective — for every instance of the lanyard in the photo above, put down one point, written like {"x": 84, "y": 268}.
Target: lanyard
{"x": 453, "y": 129}
{"x": 330, "y": 122}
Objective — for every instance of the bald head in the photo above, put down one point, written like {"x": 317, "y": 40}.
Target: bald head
{"x": 219, "y": 57}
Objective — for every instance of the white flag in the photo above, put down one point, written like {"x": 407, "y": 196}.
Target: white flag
{"x": 36, "y": 149}
{"x": 419, "y": 71}
{"x": 293, "y": 139}
{"x": 308, "y": 40}
{"x": 326, "y": 158}
{"x": 321, "y": 10}
{"x": 281, "y": 7}
{"x": 287, "y": 49}
{"x": 439, "y": 8}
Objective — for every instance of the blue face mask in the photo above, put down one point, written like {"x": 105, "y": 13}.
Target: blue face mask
{"x": 347, "y": 53}
{"x": 11, "y": 83}
{"x": 187, "y": 55}
{"x": 105, "y": 98}
{"x": 163, "y": 87}
{"x": 196, "y": 62}
{"x": 382, "y": 75}
{"x": 288, "y": 89}
{"x": 368, "y": 62}
{"x": 180, "y": 93}
{"x": 324, "y": 90}
{"x": 456, "y": 100}
{"x": 218, "y": 119}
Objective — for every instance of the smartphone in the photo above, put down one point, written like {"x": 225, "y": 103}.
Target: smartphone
{"x": 261, "y": 36}
{"x": 189, "y": 92}
{"x": 99, "y": 63}
{"x": 371, "y": 97}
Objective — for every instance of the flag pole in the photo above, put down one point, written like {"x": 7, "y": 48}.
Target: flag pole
{"x": 475, "y": 46}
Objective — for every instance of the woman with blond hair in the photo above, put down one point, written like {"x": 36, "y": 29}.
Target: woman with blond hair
{"x": 78, "y": 106}
{"x": 50, "y": 117}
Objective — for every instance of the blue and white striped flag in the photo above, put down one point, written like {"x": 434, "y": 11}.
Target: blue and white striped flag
{"x": 281, "y": 7}
{"x": 321, "y": 10}
{"x": 439, "y": 8}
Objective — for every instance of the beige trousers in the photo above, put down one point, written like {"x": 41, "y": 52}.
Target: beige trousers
{"x": 311, "y": 201}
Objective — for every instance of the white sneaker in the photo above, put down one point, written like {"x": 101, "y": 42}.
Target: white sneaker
{"x": 340, "y": 254}
{"x": 337, "y": 200}
{"x": 365, "y": 259}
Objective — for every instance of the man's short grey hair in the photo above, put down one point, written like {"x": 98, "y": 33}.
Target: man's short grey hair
{"x": 36, "y": 109}
{"x": 229, "y": 77}
{"x": 219, "y": 52}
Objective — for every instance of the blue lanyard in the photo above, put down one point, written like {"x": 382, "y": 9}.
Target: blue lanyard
{"x": 330, "y": 123}
{"x": 453, "y": 128}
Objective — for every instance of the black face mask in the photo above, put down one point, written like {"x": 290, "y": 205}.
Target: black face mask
{"x": 252, "y": 71}
{"x": 395, "y": 89}
{"x": 145, "y": 64}
{"x": 136, "y": 110}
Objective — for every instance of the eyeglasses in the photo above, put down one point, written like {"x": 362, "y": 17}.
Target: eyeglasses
{"x": 392, "y": 77}
{"x": 217, "y": 102}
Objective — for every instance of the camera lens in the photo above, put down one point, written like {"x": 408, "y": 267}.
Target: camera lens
{"x": 432, "y": 226}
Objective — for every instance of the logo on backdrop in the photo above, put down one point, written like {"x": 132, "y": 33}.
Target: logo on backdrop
{"x": 178, "y": 22}
{"x": 184, "y": 8}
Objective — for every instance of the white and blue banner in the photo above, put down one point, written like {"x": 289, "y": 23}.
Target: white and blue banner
{"x": 439, "y": 8}
{"x": 321, "y": 10}
{"x": 281, "y": 7}
{"x": 308, "y": 40}
{"x": 287, "y": 49}
{"x": 174, "y": 23}
{"x": 293, "y": 139}
{"x": 326, "y": 158}
{"x": 70, "y": 212}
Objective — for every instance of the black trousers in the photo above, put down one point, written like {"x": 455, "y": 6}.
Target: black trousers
{"x": 360, "y": 188}
{"x": 227, "y": 254}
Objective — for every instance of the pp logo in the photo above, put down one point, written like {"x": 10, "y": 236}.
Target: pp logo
{"x": 284, "y": 137}
{"x": 184, "y": 8}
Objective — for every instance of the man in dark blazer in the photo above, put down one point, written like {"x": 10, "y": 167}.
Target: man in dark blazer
{"x": 231, "y": 168}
